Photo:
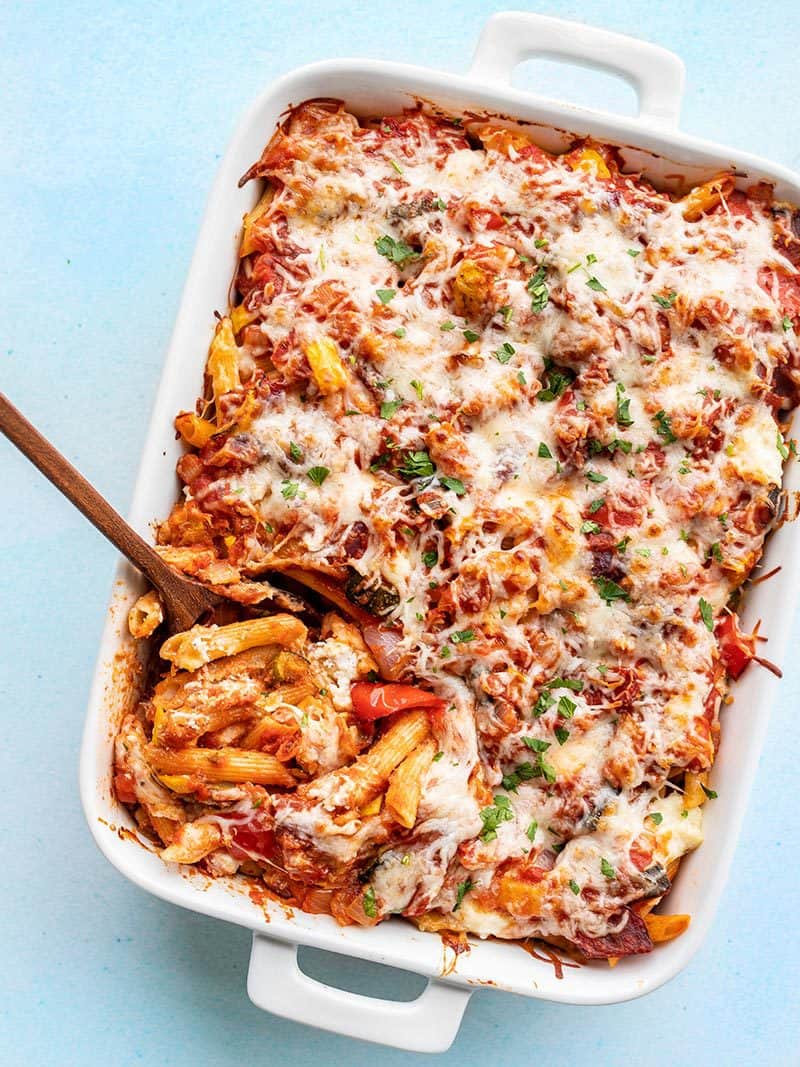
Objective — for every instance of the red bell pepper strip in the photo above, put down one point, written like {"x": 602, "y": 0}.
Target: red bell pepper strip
{"x": 736, "y": 649}
{"x": 375, "y": 700}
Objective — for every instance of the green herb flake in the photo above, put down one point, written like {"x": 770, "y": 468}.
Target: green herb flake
{"x": 566, "y": 707}
{"x": 370, "y": 904}
{"x": 667, "y": 301}
{"x": 782, "y": 449}
{"x": 590, "y": 527}
{"x": 596, "y": 284}
{"x": 447, "y": 326}
{"x": 390, "y": 407}
{"x": 710, "y": 793}
{"x": 544, "y": 702}
{"x": 595, "y": 505}
{"x": 400, "y": 332}
{"x": 576, "y": 889}
{"x": 507, "y": 313}
{"x": 430, "y": 559}
{"x": 437, "y": 757}
{"x": 623, "y": 407}
{"x": 493, "y": 816}
{"x": 470, "y": 336}
{"x": 461, "y": 891}
{"x": 317, "y": 475}
{"x": 397, "y": 252}
{"x": 454, "y": 484}
{"x": 562, "y": 734}
{"x": 786, "y": 323}
{"x": 504, "y": 353}
{"x": 289, "y": 490}
{"x": 417, "y": 465}
{"x": 385, "y": 295}
{"x": 606, "y": 869}
{"x": 462, "y": 637}
{"x": 715, "y": 552}
{"x": 663, "y": 425}
{"x": 396, "y": 166}
{"x": 530, "y": 833}
{"x": 296, "y": 452}
{"x": 544, "y": 451}
{"x": 537, "y": 288}
{"x": 706, "y": 614}
{"x": 656, "y": 817}
{"x": 609, "y": 591}
{"x": 634, "y": 252}
{"x": 596, "y": 477}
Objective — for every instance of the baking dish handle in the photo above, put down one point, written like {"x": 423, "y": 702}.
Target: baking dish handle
{"x": 427, "y": 1024}
{"x": 511, "y": 37}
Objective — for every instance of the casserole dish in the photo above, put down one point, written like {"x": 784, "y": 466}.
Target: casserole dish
{"x": 648, "y": 144}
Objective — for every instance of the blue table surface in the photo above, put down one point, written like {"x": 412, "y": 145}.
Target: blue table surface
{"x": 113, "y": 122}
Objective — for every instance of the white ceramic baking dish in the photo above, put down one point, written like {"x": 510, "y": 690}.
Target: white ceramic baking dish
{"x": 651, "y": 143}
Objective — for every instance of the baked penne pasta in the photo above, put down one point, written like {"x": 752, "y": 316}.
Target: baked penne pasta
{"x": 192, "y": 648}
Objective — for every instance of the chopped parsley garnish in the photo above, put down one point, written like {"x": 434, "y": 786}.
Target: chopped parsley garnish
{"x": 596, "y": 284}
{"x": 562, "y": 734}
{"x": 417, "y": 386}
{"x": 493, "y": 816}
{"x": 663, "y": 424}
{"x": 596, "y": 477}
{"x": 542, "y": 769}
{"x": 370, "y": 904}
{"x": 437, "y": 757}
{"x": 385, "y": 295}
{"x": 389, "y": 407}
{"x": 544, "y": 451}
{"x": 710, "y": 793}
{"x": 461, "y": 891}
{"x": 596, "y": 505}
{"x": 538, "y": 290}
{"x": 417, "y": 465}
{"x": 556, "y": 381}
{"x": 461, "y": 637}
{"x": 715, "y": 552}
{"x": 523, "y": 773}
{"x": 470, "y": 335}
{"x": 396, "y": 166}
{"x": 289, "y": 490}
{"x": 706, "y": 614}
{"x": 397, "y": 252}
{"x": 540, "y": 242}
{"x": 530, "y": 833}
{"x": 439, "y": 204}
{"x": 575, "y": 684}
{"x": 621, "y": 546}
{"x": 296, "y": 452}
{"x": 782, "y": 449}
{"x": 786, "y": 323}
{"x": 317, "y": 475}
{"x": 623, "y": 407}
{"x": 447, "y": 326}
{"x": 521, "y": 378}
{"x": 634, "y": 252}
{"x": 430, "y": 559}
{"x": 607, "y": 869}
{"x": 507, "y": 312}
{"x": 566, "y": 707}
{"x": 609, "y": 590}
{"x": 504, "y": 353}
{"x": 400, "y": 331}
{"x": 590, "y": 527}
{"x": 656, "y": 817}
{"x": 544, "y": 702}
{"x": 454, "y": 484}
{"x": 576, "y": 889}
{"x": 665, "y": 301}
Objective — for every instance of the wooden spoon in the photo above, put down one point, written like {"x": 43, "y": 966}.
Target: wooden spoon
{"x": 184, "y": 600}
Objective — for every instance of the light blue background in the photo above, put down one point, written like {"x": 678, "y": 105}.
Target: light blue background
{"x": 113, "y": 121}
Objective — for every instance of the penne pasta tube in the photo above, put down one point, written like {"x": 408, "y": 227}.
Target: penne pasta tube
{"x": 192, "y": 648}
{"x": 705, "y": 197}
{"x": 223, "y": 363}
{"x": 195, "y": 430}
{"x": 326, "y": 365}
{"x": 666, "y": 927}
{"x": 370, "y": 772}
{"x": 405, "y": 784}
{"x": 221, "y": 765}
{"x": 693, "y": 793}
{"x": 146, "y": 615}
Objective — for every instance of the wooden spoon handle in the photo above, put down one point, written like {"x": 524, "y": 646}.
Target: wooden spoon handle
{"x": 83, "y": 495}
